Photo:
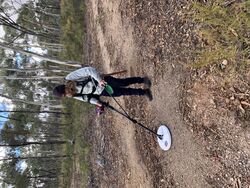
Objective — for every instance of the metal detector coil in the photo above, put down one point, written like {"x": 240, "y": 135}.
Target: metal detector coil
{"x": 164, "y": 139}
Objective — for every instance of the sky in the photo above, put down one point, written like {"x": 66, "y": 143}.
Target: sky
{"x": 2, "y": 120}
{"x": 1, "y": 32}
{"x": 4, "y": 105}
{"x": 16, "y": 4}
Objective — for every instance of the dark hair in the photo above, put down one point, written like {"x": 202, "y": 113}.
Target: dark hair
{"x": 59, "y": 91}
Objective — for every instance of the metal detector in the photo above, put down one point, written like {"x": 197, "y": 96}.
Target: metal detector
{"x": 163, "y": 133}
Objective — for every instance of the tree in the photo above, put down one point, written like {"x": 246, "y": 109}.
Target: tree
{"x": 32, "y": 143}
{"x": 42, "y": 57}
{"x": 35, "y": 157}
{"x": 33, "y": 130}
{"x": 33, "y": 111}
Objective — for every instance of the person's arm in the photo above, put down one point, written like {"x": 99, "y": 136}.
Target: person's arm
{"x": 84, "y": 72}
{"x": 90, "y": 99}
{"x": 95, "y": 102}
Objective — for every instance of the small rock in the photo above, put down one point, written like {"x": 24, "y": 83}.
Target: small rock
{"x": 232, "y": 89}
{"x": 223, "y": 64}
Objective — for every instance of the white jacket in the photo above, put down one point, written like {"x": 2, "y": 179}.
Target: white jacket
{"x": 83, "y": 74}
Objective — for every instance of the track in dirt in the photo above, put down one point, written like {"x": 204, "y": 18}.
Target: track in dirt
{"x": 135, "y": 167}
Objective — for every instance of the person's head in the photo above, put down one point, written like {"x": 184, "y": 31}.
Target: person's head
{"x": 67, "y": 90}
{"x": 59, "y": 91}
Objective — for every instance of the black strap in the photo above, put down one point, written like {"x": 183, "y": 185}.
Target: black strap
{"x": 83, "y": 84}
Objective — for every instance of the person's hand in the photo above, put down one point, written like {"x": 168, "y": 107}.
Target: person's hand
{"x": 99, "y": 110}
{"x": 102, "y": 83}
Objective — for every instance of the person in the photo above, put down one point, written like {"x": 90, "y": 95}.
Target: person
{"x": 86, "y": 84}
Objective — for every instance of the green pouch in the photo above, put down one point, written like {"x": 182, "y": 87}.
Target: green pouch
{"x": 109, "y": 89}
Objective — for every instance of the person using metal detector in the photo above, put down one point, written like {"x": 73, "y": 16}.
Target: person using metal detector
{"x": 87, "y": 84}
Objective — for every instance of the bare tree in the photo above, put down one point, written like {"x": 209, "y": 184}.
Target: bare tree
{"x": 42, "y": 57}
{"x": 6, "y": 20}
{"x": 35, "y": 157}
{"x": 32, "y": 78}
{"x": 32, "y": 143}
{"x": 34, "y": 111}
{"x": 42, "y": 123}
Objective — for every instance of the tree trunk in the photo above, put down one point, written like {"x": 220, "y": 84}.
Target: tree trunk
{"x": 33, "y": 103}
{"x": 32, "y": 143}
{"x": 42, "y": 57}
{"x": 34, "y": 111}
{"x": 35, "y": 157}
{"x": 42, "y": 123}
{"x": 33, "y": 78}
{"x": 30, "y": 70}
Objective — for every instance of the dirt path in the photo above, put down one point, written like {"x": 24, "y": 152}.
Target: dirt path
{"x": 137, "y": 171}
{"x": 185, "y": 165}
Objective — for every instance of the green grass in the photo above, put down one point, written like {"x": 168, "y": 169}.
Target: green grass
{"x": 76, "y": 124}
{"x": 72, "y": 13}
{"x": 224, "y": 30}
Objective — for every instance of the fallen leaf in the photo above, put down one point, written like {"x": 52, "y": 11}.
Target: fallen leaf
{"x": 245, "y": 103}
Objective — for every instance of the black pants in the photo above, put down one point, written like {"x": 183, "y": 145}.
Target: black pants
{"x": 119, "y": 84}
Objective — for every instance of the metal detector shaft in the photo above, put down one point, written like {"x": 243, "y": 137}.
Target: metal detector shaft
{"x": 133, "y": 120}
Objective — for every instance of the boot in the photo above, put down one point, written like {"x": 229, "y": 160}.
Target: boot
{"x": 147, "y": 81}
{"x": 148, "y": 93}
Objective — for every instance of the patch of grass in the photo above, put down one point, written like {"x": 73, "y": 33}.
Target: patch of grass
{"x": 72, "y": 17}
{"x": 225, "y": 31}
{"x": 72, "y": 20}
{"x": 78, "y": 152}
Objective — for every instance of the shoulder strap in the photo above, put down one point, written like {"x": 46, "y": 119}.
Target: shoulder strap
{"x": 84, "y": 82}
